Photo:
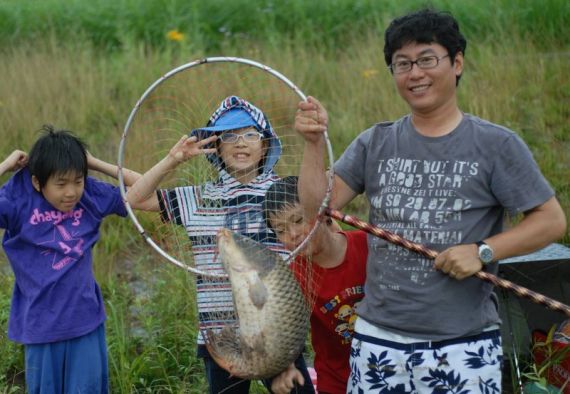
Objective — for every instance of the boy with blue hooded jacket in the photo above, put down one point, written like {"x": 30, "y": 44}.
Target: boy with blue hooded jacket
{"x": 241, "y": 144}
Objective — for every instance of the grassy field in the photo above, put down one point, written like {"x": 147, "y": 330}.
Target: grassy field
{"x": 113, "y": 24}
{"x": 83, "y": 65}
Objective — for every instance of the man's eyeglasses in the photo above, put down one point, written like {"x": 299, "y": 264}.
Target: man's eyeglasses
{"x": 424, "y": 62}
{"x": 232, "y": 138}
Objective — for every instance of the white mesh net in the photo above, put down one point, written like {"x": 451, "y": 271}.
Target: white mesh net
{"x": 205, "y": 194}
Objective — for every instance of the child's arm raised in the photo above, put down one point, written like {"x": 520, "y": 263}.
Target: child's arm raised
{"x": 95, "y": 164}
{"x": 14, "y": 162}
{"x": 142, "y": 194}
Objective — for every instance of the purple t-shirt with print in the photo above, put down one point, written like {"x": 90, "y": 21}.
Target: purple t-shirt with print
{"x": 55, "y": 294}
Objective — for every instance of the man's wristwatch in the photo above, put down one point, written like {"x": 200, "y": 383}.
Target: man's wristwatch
{"x": 485, "y": 252}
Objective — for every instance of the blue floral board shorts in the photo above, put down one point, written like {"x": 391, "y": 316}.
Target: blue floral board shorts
{"x": 459, "y": 366}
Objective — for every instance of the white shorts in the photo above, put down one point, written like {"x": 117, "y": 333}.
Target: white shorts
{"x": 463, "y": 365}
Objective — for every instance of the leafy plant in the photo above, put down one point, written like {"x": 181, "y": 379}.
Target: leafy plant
{"x": 547, "y": 356}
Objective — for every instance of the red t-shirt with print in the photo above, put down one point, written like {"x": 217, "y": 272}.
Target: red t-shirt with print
{"x": 333, "y": 316}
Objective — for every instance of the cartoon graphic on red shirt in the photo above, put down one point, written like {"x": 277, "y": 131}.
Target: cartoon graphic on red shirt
{"x": 343, "y": 328}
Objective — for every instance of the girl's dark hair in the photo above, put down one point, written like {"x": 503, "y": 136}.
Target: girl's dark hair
{"x": 424, "y": 27}
{"x": 279, "y": 195}
{"x": 57, "y": 152}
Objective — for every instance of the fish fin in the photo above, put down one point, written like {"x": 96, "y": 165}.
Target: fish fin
{"x": 258, "y": 293}
{"x": 217, "y": 345}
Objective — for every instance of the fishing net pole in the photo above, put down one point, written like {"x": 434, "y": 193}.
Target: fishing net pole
{"x": 432, "y": 254}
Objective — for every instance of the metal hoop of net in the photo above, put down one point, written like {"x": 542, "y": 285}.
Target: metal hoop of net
{"x": 183, "y": 100}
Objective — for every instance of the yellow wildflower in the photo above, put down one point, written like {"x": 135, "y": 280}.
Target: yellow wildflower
{"x": 369, "y": 73}
{"x": 175, "y": 35}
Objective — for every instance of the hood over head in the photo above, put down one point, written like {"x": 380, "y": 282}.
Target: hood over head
{"x": 235, "y": 113}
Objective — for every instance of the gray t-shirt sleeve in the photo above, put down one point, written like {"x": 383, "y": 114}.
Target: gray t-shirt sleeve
{"x": 516, "y": 179}
{"x": 351, "y": 166}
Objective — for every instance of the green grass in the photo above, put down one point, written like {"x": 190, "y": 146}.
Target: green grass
{"x": 114, "y": 24}
{"x": 83, "y": 65}
{"x": 12, "y": 358}
{"x": 151, "y": 335}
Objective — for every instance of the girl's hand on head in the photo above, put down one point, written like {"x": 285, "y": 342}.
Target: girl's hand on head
{"x": 188, "y": 147}
{"x": 16, "y": 160}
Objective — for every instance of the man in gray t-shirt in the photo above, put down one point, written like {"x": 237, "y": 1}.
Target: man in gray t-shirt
{"x": 444, "y": 179}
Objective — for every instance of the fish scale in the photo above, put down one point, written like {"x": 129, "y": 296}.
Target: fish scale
{"x": 272, "y": 312}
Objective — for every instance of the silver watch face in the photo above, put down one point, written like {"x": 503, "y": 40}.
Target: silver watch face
{"x": 485, "y": 254}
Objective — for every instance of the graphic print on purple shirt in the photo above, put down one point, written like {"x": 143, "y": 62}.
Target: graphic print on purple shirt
{"x": 56, "y": 216}
{"x": 67, "y": 244}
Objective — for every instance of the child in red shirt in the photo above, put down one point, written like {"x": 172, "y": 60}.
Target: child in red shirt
{"x": 339, "y": 268}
